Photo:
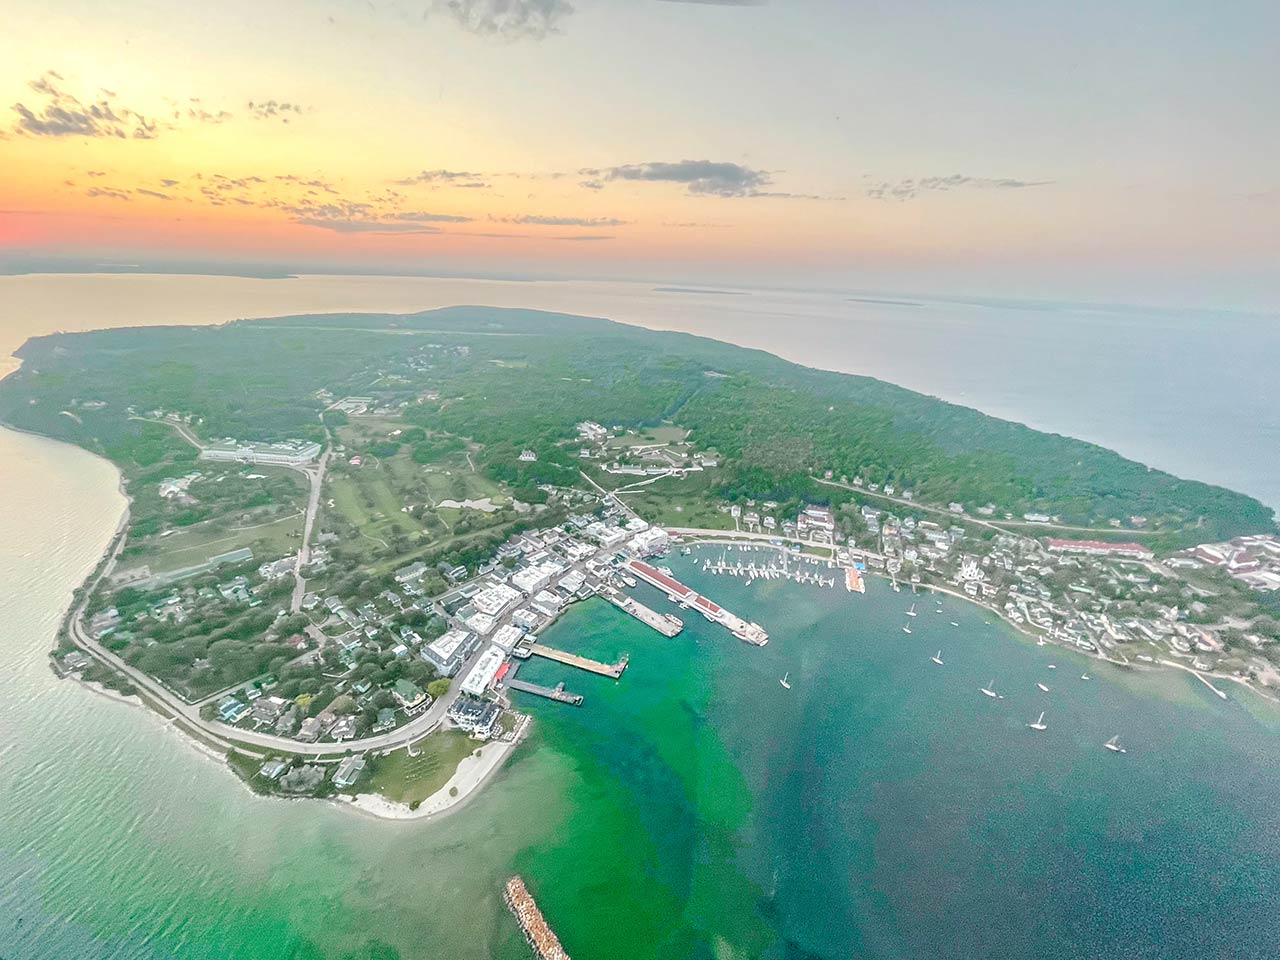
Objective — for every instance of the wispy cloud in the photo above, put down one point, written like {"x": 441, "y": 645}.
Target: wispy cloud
{"x": 506, "y": 19}
{"x": 281, "y": 110}
{"x": 110, "y": 193}
{"x": 453, "y": 178}
{"x": 544, "y": 221}
{"x": 365, "y": 226}
{"x": 910, "y": 188}
{"x": 584, "y": 238}
{"x": 142, "y": 191}
{"x": 62, "y": 114}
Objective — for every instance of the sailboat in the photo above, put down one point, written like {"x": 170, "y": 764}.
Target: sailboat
{"x": 912, "y": 611}
{"x": 1053, "y": 666}
{"x": 786, "y": 680}
{"x": 988, "y": 691}
{"x": 1040, "y": 641}
{"x": 937, "y": 658}
{"x": 1042, "y": 687}
{"x": 1085, "y": 676}
{"x": 1039, "y": 724}
{"x": 954, "y": 624}
{"x": 906, "y": 628}
{"x": 1114, "y": 745}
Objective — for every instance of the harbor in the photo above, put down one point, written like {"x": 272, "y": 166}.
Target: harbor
{"x": 785, "y": 566}
{"x": 543, "y": 940}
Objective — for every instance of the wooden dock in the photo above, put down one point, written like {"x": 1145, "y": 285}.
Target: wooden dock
{"x": 582, "y": 663}
{"x": 556, "y": 693}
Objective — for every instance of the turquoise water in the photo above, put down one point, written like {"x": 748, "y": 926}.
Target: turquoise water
{"x": 882, "y": 807}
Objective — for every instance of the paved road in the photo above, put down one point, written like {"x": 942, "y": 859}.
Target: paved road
{"x": 315, "y": 476}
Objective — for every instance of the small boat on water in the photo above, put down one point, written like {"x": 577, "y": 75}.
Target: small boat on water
{"x": 1053, "y": 666}
{"x": 954, "y": 624}
{"x": 937, "y": 658}
{"x": 1114, "y": 745}
{"x": 912, "y": 611}
{"x": 786, "y": 680}
{"x": 906, "y": 628}
{"x": 1085, "y": 676}
{"x": 1039, "y": 724}
{"x": 1042, "y": 687}
{"x": 1040, "y": 641}
{"x": 988, "y": 689}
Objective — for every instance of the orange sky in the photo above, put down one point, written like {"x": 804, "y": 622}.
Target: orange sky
{"x": 658, "y": 140}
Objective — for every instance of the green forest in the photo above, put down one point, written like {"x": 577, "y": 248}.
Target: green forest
{"x": 499, "y": 381}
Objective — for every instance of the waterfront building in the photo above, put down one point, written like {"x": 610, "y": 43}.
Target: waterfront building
{"x": 481, "y": 676}
{"x": 477, "y": 717}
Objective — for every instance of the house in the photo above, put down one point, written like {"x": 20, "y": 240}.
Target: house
{"x": 412, "y": 572}
{"x": 412, "y": 698}
{"x": 528, "y": 456}
{"x": 348, "y": 772}
{"x": 274, "y": 769}
{"x": 231, "y": 710}
{"x": 386, "y": 720}
{"x": 447, "y": 651}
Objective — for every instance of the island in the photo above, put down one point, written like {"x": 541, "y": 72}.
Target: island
{"x": 345, "y": 533}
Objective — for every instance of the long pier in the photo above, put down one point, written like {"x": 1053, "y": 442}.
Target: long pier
{"x": 543, "y": 940}
{"x": 556, "y": 693}
{"x": 667, "y": 624}
{"x": 747, "y": 632}
{"x": 582, "y": 663}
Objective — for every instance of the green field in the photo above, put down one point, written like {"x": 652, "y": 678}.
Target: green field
{"x": 410, "y": 780}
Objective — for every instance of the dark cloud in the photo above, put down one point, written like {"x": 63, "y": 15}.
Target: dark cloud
{"x": 543, "y": 221}
{"x": 506, "y": 19}
{"x": 701, "y": 177}
{"x": 280, "y": 110}
{"x": 62, "y": 114}
{"x": 454, "y": 178}
{"x": 910, "y": 188}
{"x": 152, "y": 193}
{"x": 168, "y": 183}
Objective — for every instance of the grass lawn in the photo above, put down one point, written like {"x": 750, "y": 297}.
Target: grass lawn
{"x": 648, "y": 436}
{"x": 410, "y": 780}
{"x": 676, "y": 502}
{"x": 270, "y": 539}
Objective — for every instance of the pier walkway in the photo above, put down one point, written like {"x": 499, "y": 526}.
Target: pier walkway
{"x": 556, "y": 693}
{"x": 582, "y": 663}
{"x": 666, "y": 624}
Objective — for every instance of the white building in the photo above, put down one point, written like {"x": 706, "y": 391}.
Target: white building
{"x": 507, "y": 636}
{"x": 284, "y": 453}
{"x": 495, "y": 599}
{"x": 484, "y": 671}
{"x": 447, "y": 651}
{"x": 531, "y": 579}
{"x": 649, "y": 542}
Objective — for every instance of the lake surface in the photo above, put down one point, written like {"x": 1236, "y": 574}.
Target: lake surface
{"x": 882, "y": 807}
{"x": 1191, "y": 392}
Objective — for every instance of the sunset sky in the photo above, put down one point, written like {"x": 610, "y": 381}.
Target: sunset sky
{"x": 1087, "y": 150}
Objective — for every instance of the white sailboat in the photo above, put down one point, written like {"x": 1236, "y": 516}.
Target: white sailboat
{"x": 786, "y": 680}
{"x": 1039, "y": 724}
{"x": 988, "y": 691}
{"x": 1085, "y": 676}
{"x": 1114, "y": 745}
{"x": 937, "y": 658}
{"x": 912, "y": 611}
{"x": 906, "y": 628}
{"x": 1053, "y": 666}
{"x": 1043, "y": 688}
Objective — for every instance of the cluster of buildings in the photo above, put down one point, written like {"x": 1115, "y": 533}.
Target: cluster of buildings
{"x": 1253, "y": 560}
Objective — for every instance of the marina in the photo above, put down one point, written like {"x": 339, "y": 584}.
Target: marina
{"x": 545, "y": 944}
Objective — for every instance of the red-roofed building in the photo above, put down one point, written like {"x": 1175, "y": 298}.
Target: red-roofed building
{"x": 1099, "y": 548}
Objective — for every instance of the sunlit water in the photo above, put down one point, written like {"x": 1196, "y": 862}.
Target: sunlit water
{"x": 881, "y": 807}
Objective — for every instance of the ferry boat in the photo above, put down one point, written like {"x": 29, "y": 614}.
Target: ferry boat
{"x": 1039, "y": 724}
{"x": 853, "y": 581}
{"x": 630, "y": 581}
{"x": 1042, "y": 687}
{"x": 988, "y": 691}
{"x": 1114, "y": 745}
{"x": 937, "y": 658}
{"x": 786, "y": 680}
